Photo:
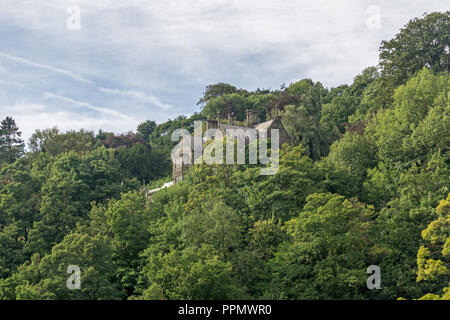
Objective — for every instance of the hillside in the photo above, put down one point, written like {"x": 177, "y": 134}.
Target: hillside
{"x": 365, "y": 182}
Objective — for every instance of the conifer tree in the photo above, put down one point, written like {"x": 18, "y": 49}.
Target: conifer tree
{"x": 11, "y": 144}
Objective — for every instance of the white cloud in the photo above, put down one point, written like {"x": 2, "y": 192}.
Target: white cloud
{"x": 30, "y": 63}
{"x": 103, "y": 110}
{"x": 137, "y": 96}
{"x": 126, "y": 93}
{"x": 163, "y": 52}
{"x": 215, "y": 40}
{"x": 32, "y": 116}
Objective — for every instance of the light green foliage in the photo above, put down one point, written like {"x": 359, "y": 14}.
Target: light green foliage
{"x": 215, "y": 224}
{"x": 328, "y": 251}
{"x": 346, "y": 100}
{"x": 54, "y": 142}
{"x": 127, "y": 220}
{"x": 282, "y": 194}
{"x": 335, "y": 113}
{"x": 354, "y": 154}
{"x": 73, "y": 182}
{"x": 433, "y": 260}
{"x": 310, "y": 95}
{"x": 216, "y": 90}
{"x": 193, "y": 273}
{"x": 46, "y": 277}
{"x": 412, "y": 103}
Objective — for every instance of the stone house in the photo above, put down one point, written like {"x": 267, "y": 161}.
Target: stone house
{"x": 251, "y": 122}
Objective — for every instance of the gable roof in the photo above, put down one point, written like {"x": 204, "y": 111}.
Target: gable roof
{"x": 264, "y": 125}
{"x": 259, "y": 126}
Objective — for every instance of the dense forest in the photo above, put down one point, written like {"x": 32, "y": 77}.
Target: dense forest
{"x": 364, "y": 182}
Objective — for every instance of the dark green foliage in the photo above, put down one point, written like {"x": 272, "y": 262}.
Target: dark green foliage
{"x": 236, "y": 104}
{"x": 423, "y": 42}
{"x": 162, "y": 135}
{"x": 146, "y": 128}
{"x": 348, "y": 100}
{"x": 306, "y": 130}
{"x": 328, "y": 251}
{"x": 53, "y": 142}
{"x": 366, "y": 182}
{"x": 142, "y": 163}
{"x": 11, "y": 145}
{"x": 194, "y": 273}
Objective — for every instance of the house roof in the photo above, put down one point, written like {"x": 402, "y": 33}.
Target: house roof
{"x": 259, "y": 126}
{"x": 264, "y": 125}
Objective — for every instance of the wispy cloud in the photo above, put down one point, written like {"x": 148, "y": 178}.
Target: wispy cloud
{"x": 136, "y": 95}
{"x": 30, "y": 116}
{"x": 134, "y": 54}
{"x": 89, "y": 106}
{"x": 29, "y": 63}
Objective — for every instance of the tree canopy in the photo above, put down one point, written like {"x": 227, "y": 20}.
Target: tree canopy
{"x": 365, "y": 182}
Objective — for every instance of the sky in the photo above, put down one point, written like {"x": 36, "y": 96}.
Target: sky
{"x": 112, "y": 64}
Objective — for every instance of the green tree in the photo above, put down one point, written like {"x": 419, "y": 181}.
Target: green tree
{"x": 417, "y": 192}
{"x": 423, "y": 42}
{"x": 194, "y": 274}
{"x": 74, "y": 182}
{"x": 11, "y": 144}
{"x": 45, "y": 278}
{"x": 140, "y": 162}
{"x": 392, "y": 128}
{"x": 127, "y": 221}
{"x": 328, "y": 252}
{"x": 306, "y": 130}
{"x": 281, "y": 195}
{"x": 54, "y": 142}
{"x": 11, "y": 246}
{"x": 228, "y": 104}
{"x": 433, "y": 260}
{"x": 146, "y": 128}
{"x": 310, "y": 95}
{"x": 353, "y": 155}
{"x": 251, "y": 261}
{"x": 216, "y": 90}
{"x": 335, "y": 114}
{"x": 215, "y": 224}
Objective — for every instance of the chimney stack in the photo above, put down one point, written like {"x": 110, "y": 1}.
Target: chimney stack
{"x": 251, "y": 118}
{"x": 230, "y": 119}
{"x": 212, "y": 124}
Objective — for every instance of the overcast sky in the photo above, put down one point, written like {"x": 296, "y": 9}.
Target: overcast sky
{"x": 136, "y": 60}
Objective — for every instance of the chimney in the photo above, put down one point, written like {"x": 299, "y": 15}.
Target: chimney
{"x": 230, "y": 119}
{"x": 212, "y": 124}
{"x": 251, "y": 118}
